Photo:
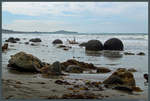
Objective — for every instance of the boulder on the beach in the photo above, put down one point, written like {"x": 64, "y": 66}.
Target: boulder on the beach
{"x": 113, "y": 44}
{"x": 61, "y": 46}
{"x": 56, "y": 68}
{"x": 83, "y": 44}
{"x": 94, "y": 45}
{"x": 121, "y": 77}
{"x": 35, "y": 40}
{"x": 57, "y": 41}
{"x": 12, "y": 40}
{"x": 5, "y": 47}
{"x": 25, "y": 62}
{"x": 74, "y": 69}
{"x": 102, "y": 70}
{"x": 83, "y": 65}
{"x": 140, "y": 53}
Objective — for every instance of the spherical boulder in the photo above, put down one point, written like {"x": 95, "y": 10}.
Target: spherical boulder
{"x": 113, "y": 44}
{"x": 25, "y": 62}
{"x": 57, "y": 41}
{"x": 94, "y": 45}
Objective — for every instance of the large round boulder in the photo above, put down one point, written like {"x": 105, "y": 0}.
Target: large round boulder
{"x": 12, "y": 40}
{"x": 57, "y": 41}
{"x": 25, "y": 62}
{"x": 113, "y": 44}
{"x": 94, "y": 45}
{"x": 122, "y": 77}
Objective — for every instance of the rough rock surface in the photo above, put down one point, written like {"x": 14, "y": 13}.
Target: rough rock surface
{"x": 25, "y": 62}
{"x": 94, "y": 45}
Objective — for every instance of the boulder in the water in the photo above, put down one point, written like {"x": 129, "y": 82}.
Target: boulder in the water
{"x": 12, "y": 40}
{"x": 57, "y": 41}
{"x": 141, "y": 53}
{"x": 35, "y": 40}
{"x": 25, "y": 62}
{"x": 94, "y": 45}
{"x": 83, "y": 44}
{"x": 113, "y": 44}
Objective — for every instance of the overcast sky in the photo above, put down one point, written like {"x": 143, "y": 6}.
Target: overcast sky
{"x": 76, "y": 16}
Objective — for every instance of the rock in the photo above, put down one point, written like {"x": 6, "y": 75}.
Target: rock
{"x": 56, "y": 68}
{"x": 13, "y": 40}
{"x": 57, "y": 41}
{"x": 5, "y": 47}
{"x": 65, "y": 49}
{"x": 61, "y": 46}
{"x": 140, "y": 53}
{"x": 124, "y": 88}
{"x": 137, "y": 89}
{"x": 83, "y": 44}
{"x": 103, "y": 70}
{"x": 121, "y": 77}
{"x": 146, "y": 77}
{"x": 128, "y": 53}
{"x": 113, "y": 44}
{"x": 35, "y": 40}
{"x": 74, "y": 69}
{"x": 94, "y": 45}
{"x": 26, "y": 43}
{"x": 25, "y": 62}
{"x": 83, "y": 65}
{"x": 132, "y": 70}
{"x": 60, "y": 82}
{"x": 32, "y": 44}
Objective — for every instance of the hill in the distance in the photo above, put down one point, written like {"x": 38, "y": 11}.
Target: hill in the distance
{"x": 56, "y": 32}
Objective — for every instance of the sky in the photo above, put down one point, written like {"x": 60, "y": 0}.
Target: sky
{"x": 84, "y": 17}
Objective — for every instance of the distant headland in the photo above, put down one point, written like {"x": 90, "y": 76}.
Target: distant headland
{"x": 56, "y": 32}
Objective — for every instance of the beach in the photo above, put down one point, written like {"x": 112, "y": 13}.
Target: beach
{"x": 33, "y": 85}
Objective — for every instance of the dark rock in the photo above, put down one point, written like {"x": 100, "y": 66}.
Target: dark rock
{"x": 65, "y": 49}
{"x": 128, "y": 53}
{"x": 103, "y": 70}
{"x": 60, "y": 82}
{"x": 32, "y": 44}
{"x": 26, "y": 43}
{"x": 121, "y": 77}
{"x": 35, "y": 40}
{"x": 12, "y": 40}
{"x": 94, "y": 45}
{"x": 5, "y": 47}
{"x": 56, "y": 68}
{"x": 113, "y": 44}
{"x": 74, "y": 69}
{"x": 83, "y": 44}
{"x": 146, "y": 77}
{"x": 17, "y": 39}
{"x": 124, "y": 88}
{"x": 83, "y": 65}
{"x": 25, "y": 62}
{"x": 141, "y": 53}
{"x": 57, "y": 41}
{"x": 61, "y": 46}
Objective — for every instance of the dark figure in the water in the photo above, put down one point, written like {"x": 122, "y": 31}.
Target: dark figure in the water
{"x": 146, "y": 77}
